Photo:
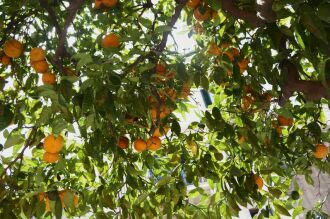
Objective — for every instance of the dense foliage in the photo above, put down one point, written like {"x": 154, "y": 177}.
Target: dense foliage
{"x": 78, "y": 114}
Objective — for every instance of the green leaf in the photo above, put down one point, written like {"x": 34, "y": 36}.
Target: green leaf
{"x": 282, "y": 210}
{"x": 314, "y": 25}
{"x": 215, "y": 4}
{"x": 297, "y": 211}
{"x": 141, "y": 198}
{"x": 275, "y": 192}
{"x": 176, "y": 128}
{"x": 13, "y": 139}
{"x": 164, "y": 180}
{"x": 83, "y": 58}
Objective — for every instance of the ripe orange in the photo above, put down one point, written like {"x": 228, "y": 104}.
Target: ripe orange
{"x": 98, "y": 4}
{"x": 321, "y": 151}
{"x": 243, "y": 65}
{"x": 241, "y": 140}
{"x": 123, "y": 142}
{"x": 37, "y": 54}
{"x": 41, "y": 196}
{"x": 164, "y": 111}
{"x": 40, "y": 66}
{"x": 47, "y": 204}
{"x": 284, "y": 121}
{"x": 160, "y": 69}
{"x": 161, "y": 131}
{"x": 202, "y": 16}
{"x": 48, "y": 78}
{"x": 185, "y": 92}
{"x": 13, "y": 48}
{"x": 198, "y": 28}
{"x": 168, "y": 92}
{"x": 52, "y": 144}
{"x": 5, "y": 60}
{"x": 140, "y": 145}
{"x": 62, "y": 193}
{"x": 109, "y": 3}
{"x": 154, "y": 143}
{"x": 193, "y": 3}
{"x": 110, "y": 41}
{"x": 214, "y": 49}
{"x": 247, "y": 102}
{"x": 50, "y": 157}
{"x": 170, "y": 75}
{"x": 232, "y": 53}
{"x": 258, "y": 181}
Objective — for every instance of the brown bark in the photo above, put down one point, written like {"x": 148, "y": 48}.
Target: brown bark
{"x": 312, "y": 90}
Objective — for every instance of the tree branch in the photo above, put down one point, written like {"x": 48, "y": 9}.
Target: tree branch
{"x": 28, "y": 142}
{"x": 72, "y": 12}
{"x": 263, "y": 9}
{"x": 53, "y": 18}
{"x": 312, "y": 90}
{"x": 177, "y": 11}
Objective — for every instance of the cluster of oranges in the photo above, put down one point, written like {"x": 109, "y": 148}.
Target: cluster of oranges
{"x": 52, "y": 146}
{"x": 230, "y": 52}
{"x": 40, "y": 65}
{"x": 11, "y": 49}
{"x": 153, "y": 143}
{"x": 250, "y": 96}
{"x": 202, "y": 11}
{"x": 44, "y": 197}
{"x": 105, "y": 4}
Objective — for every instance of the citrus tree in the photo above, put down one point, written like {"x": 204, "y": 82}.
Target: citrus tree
{"x": 93, "y": 95}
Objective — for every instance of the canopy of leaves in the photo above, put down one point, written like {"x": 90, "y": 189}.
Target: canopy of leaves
{"x": 259, "y": 62}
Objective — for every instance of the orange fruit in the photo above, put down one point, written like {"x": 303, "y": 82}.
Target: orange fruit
{"x": 98, "y": 4}
{"x": 321, "y": 151}
{"x": 75, "y": 200}
{"x": 161, "y": 131}
{"x": 198, "y": 28}
{"x": 50, "y": 157}
{"x": 154, "y": 143}
{"x": 202, "y": 15}
{"x": 193, "y": 3}
{"x": 258, "y": 181}
{"x": 247, "y": 102}
{"x": 170, "y": 75}
{"x": 214, "y": 49}
{"x": 40, "y": 66}
{"x": 284, "y": 121}
{"x": 110, "y": 41}
{"x": 241, "y": 140}
{"x": 164, "y": 111}
{"x": 109, "y": 3}
{"x": 5, "y": 60}
{"x": 160, "y": 69}
{"x": 41, "y": 196}
{"x": 47, "y": 204}
{"x": 140, "y": 145}
{"x": 243, "y": 65}
{"x": 52, "y": 144}
{"x": 48, "y": 78}
{"x": 232, "y": 53}
{"x": 37, "y": 54}
{"x": 185, "y": 92}
{"x": 168, "y": 92}
{"x": 62, "y": 193}
{"x": 13, "y": 48}
{"x": 123, "y": 142}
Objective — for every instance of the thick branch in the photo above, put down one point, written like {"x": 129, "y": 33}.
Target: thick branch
{"x": 312, "y": 90}
{"x": 53, "y": 18}
{"x": 72, "y": 12}
{"x": 263, "y": 9}
{"x": 177, "y": 11}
